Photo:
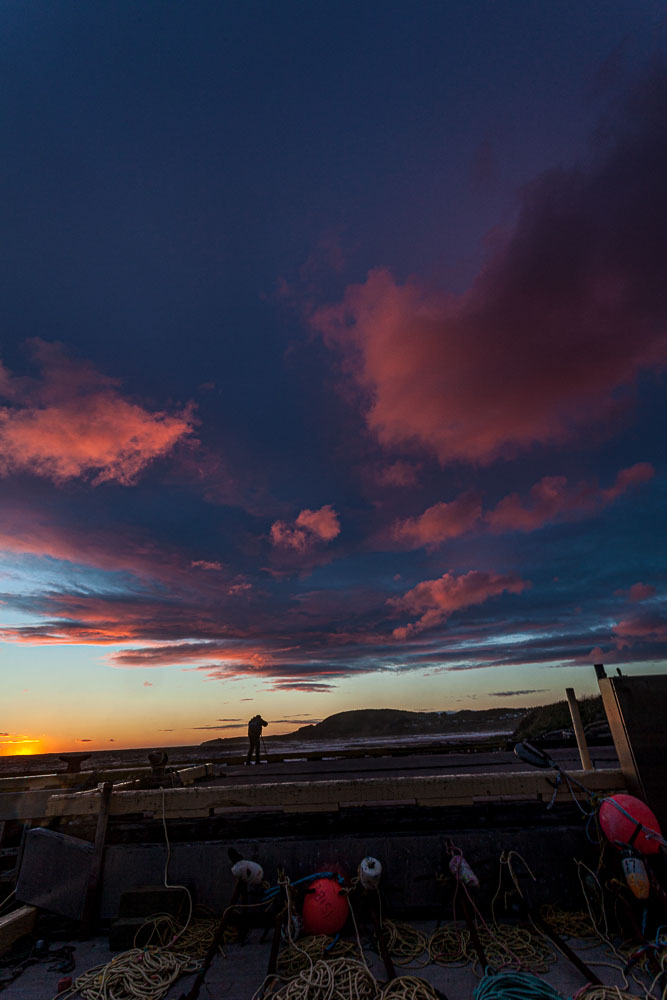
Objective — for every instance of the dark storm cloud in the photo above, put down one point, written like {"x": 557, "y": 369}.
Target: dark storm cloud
{"x": 241, "y": 725}
{"x": 511, "y": 694}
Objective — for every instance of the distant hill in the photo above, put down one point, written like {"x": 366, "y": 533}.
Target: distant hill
{"x": 546, "y": 718}
{"x": 364, "y": 722}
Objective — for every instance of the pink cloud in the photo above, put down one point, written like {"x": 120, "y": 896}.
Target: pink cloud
{"x": 29, "y": 532}
{"x": 627, "y": 479}
{"x": 440, "y": 522}
{"x": 399, "y": 473}
{"x": 309, "y": 528}
{"x": 553, "y": 498}
{"x": 205, "y": 564}
{"x": 641, "y": 627}
{"x": 73, "y": 422}
{"x": 435, "y": 600}
{"x": 640, "y": 591}
{"x": 567, "y": 312}
{"x": 550, "y": 499}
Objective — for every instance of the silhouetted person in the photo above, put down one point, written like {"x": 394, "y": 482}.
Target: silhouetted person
{"x": 255, "y": 727}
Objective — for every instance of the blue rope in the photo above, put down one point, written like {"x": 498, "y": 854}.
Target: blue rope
{"x": 515, "y": 986}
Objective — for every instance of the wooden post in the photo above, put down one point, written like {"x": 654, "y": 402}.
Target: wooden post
{"x": 379, "y": 933}
{"x": 95, "y": 877}
{"x": 472, "y": 929}
{"x": 216, "y": 943}
{"x": 585, "y": 756}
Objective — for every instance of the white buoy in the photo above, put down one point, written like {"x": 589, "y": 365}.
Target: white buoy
{"x": 370, "y": 871}
{"x": 249, "y": 871}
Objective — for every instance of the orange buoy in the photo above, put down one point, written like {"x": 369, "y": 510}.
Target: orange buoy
{"x": 325, "y": 908}
{"x": 636, "y": 875}
{"x": 622, "y": 818}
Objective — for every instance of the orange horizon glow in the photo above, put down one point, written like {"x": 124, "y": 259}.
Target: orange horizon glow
{"x": 20, "y": 748}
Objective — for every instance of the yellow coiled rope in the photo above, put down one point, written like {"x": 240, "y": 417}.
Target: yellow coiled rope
{"x": 447, "y": 945}
{"x": 405, "y": 943}
{"x": 336, "y": 979}
{"x": 565, "y": 923}
{"x": 408, "y": 988}
{"x": 294, "y": 958}
{"x": 138, "y": 974}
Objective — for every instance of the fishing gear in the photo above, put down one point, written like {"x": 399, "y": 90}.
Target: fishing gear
{"x": 626, "y": 821}
{"x": 538, "y": 758}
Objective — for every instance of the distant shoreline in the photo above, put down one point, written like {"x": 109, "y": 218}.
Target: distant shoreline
{"x": 197, "y": 753}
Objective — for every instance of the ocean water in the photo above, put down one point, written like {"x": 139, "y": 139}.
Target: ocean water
{"x": 49, "y": 763}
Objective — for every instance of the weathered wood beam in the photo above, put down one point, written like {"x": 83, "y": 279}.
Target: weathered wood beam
{"x": 24, "y": 805}
{"x": 63, "y": 780}
{"x": 307, "y": 796}
{"x": 15, "y": 925}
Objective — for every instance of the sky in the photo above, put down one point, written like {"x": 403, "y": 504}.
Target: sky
{"x": 332, "y": 360}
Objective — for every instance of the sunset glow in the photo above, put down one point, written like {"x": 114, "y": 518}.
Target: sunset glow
{"x": 20, "y": 748}
{"x": 333, "y": 366}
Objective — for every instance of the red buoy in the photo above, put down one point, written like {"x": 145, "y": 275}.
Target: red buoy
{"x": 325, "y": 909}
{"x": 619, "y": 817}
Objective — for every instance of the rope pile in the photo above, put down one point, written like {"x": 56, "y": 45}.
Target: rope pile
{"x": 511, "y": 945}
{"x": 504, "y": 945}
{"x": 296, "y": 957}
{"x": 515, "y": 986}
{"x": 575, "y": 924}
{"x": 603, "y": 993}
{"x": 447, "y": 945}
{"x": 405, "y": 943}
{"x": 138, "y": 974}
{"x": 338, "y": 979}
{"x": 409, "y": 988}
{"x": 194, "y": 938}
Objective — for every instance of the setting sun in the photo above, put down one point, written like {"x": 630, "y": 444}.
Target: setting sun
{"x": 19, "y": 748}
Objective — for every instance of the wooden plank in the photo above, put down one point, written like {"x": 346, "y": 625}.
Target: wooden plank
{"x": 15, "y": 925}
{"x": 188, "y": 775}
{"x": 63, "y": 780}
{"x": 577, "y": 724}
{"x": 35, "y": 782}
{"x": 305, "y": 795}
{"x": 24, "y": 805}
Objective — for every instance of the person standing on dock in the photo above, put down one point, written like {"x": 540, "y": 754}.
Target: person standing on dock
{"x": 255, "y": 727}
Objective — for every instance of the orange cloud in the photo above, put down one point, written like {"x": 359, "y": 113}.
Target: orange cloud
{"x": 309, "y": 528}
{"x": 73, "y": 422}
{"x": 435, "y": 600}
